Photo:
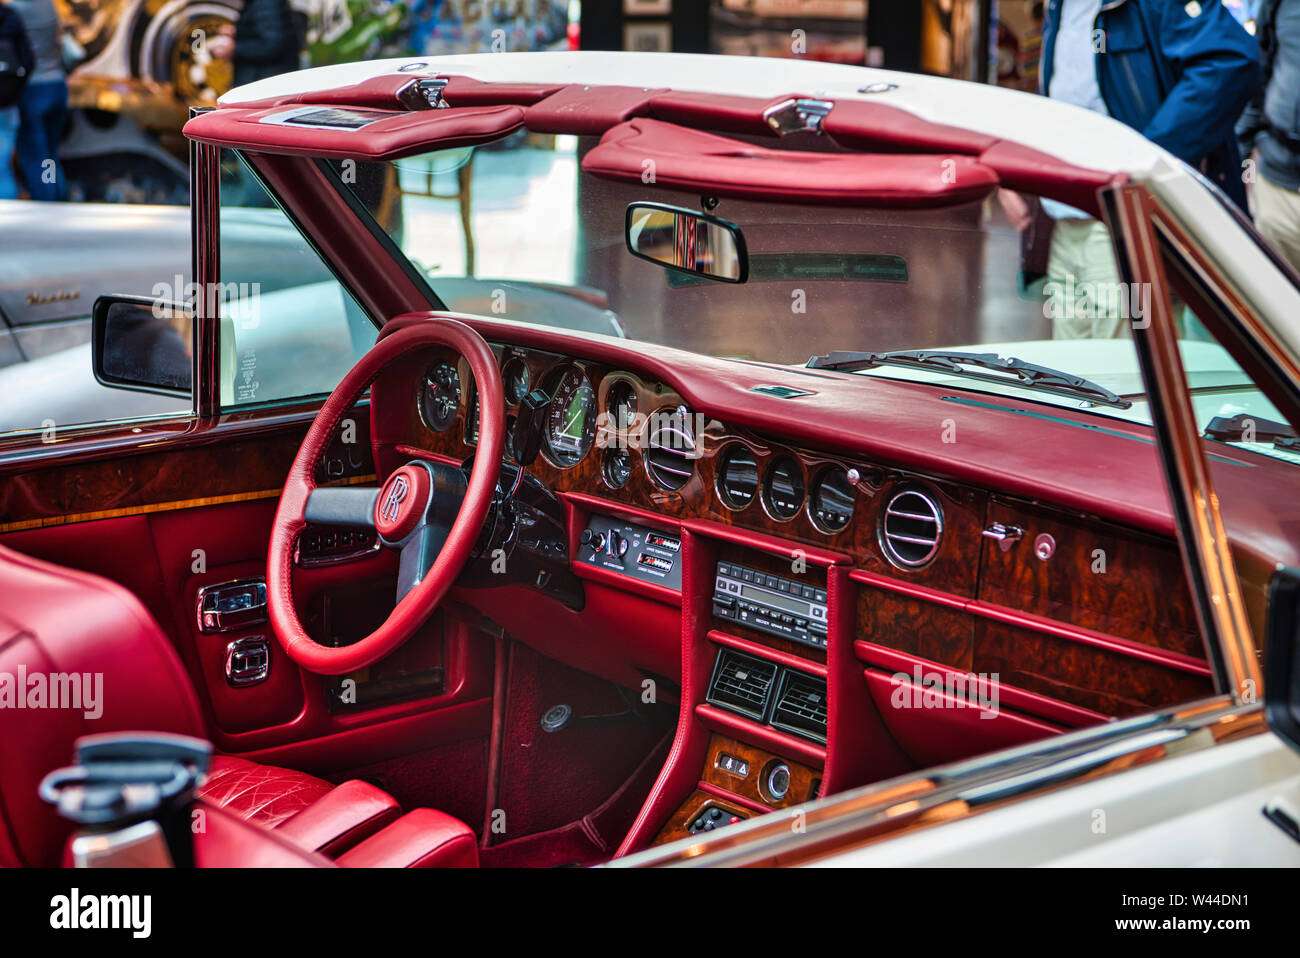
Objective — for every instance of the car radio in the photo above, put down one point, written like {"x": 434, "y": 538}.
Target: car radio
{"x": 771, "y": 604}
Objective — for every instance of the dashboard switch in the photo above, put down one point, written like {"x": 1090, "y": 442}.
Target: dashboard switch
{"x": 615, "y": 545}
{"x": 632, "y": 550}
{"x": 712, "y": 817}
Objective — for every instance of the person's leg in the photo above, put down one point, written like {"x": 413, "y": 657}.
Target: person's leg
{"x": 1277, "y": 217}
{"x": 8, "y": 140}
{"x": 1064, "y": 265}
{"x": 37, "y": 151}
{"x": 1113, "y": 307}
{"x": 56, "y": 117}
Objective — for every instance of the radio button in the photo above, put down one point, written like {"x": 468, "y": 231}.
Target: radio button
{"x": 747, "y": 575}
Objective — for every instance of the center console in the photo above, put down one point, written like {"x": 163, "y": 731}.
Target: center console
{"x": 770, "y": 710}
{"x": 756, "y": 658}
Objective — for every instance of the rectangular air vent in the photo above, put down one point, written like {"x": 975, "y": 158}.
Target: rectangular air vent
{"x": 742, "y": 683}
{"x": 801, "y": 705}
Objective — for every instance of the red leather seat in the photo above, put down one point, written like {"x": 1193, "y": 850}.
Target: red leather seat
{"x": 262, "y": 794}
{"x": 59, "y": 620}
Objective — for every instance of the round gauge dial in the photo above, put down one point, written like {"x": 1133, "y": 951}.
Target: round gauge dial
{"x": 515, "y": 377}
{"x": 571, "y": 418}
{"x": 621, "y": 404}
{"x": 617, "y": 467}
{"x": 784, "y": 489}
{"x": 440, "y": 397}
{"x": 832, "y": 501}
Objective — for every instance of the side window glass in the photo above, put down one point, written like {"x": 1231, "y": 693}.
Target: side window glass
{"x": 1252, "y": 449}
{"x": 288, "y": 328}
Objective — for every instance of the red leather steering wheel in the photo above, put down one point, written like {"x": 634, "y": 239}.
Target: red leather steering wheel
{"x": 427, "y": 510}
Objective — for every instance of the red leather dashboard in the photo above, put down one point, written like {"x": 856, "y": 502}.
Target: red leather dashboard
{"x": 1071, "y": 644}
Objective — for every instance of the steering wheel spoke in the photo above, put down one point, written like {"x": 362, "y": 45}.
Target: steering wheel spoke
{"x": 342, "y": 506}
{"x": 418, "y": 556}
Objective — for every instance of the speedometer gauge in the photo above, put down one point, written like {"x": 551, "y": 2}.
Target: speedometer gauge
{"x": 571, "y": 418}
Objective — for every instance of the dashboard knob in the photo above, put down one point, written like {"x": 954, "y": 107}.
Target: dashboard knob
{"x": 591, "y": 537}
{"x": 615, "y": 545}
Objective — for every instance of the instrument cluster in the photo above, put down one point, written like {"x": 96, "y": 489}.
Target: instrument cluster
{"x": 606, "y": 431}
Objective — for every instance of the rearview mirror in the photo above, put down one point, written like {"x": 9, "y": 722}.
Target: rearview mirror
{"x": 686, "y": 241}
{"x": 143, "y": 344}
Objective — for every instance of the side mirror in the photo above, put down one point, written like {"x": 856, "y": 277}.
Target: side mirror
{"x": 143, "y": 344}
{"x": 686, "y": 241}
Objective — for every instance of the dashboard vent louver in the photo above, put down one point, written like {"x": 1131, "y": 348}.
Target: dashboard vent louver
{"x": 911, "y": 528}
{"x": 801, "y": 705}
{"x": 670, "y": 450}
{"x": 742, "y": 683}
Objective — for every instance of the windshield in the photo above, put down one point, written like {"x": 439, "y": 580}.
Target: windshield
{"x": 516, "y": 229}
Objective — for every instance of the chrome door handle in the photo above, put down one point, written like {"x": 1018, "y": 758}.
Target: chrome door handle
{"x": 232, "y": 605}
{"x": 1005, "y": 536}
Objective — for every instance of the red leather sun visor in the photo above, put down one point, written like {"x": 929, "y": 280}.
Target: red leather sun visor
{"x": 717, "y": 165}
{"x": 363, "y": 133}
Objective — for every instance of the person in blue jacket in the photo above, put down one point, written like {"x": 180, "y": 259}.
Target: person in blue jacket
{"x": 1179, "y": 72}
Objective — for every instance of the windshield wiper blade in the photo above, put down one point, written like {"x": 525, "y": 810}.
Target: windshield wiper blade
{"x": 1021, "y": 373}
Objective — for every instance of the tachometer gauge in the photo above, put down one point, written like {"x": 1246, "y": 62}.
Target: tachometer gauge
{"x": 440, "y": 397}
{"x": 571, "y": 419}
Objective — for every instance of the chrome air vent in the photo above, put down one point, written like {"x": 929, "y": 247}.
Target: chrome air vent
{"x": 670, "y": 450}
{"x": 801, "y": 705}
{"x": 741, "y": 683}
{"x": 911, "y": 528}
{"x": 737, "y": 477}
